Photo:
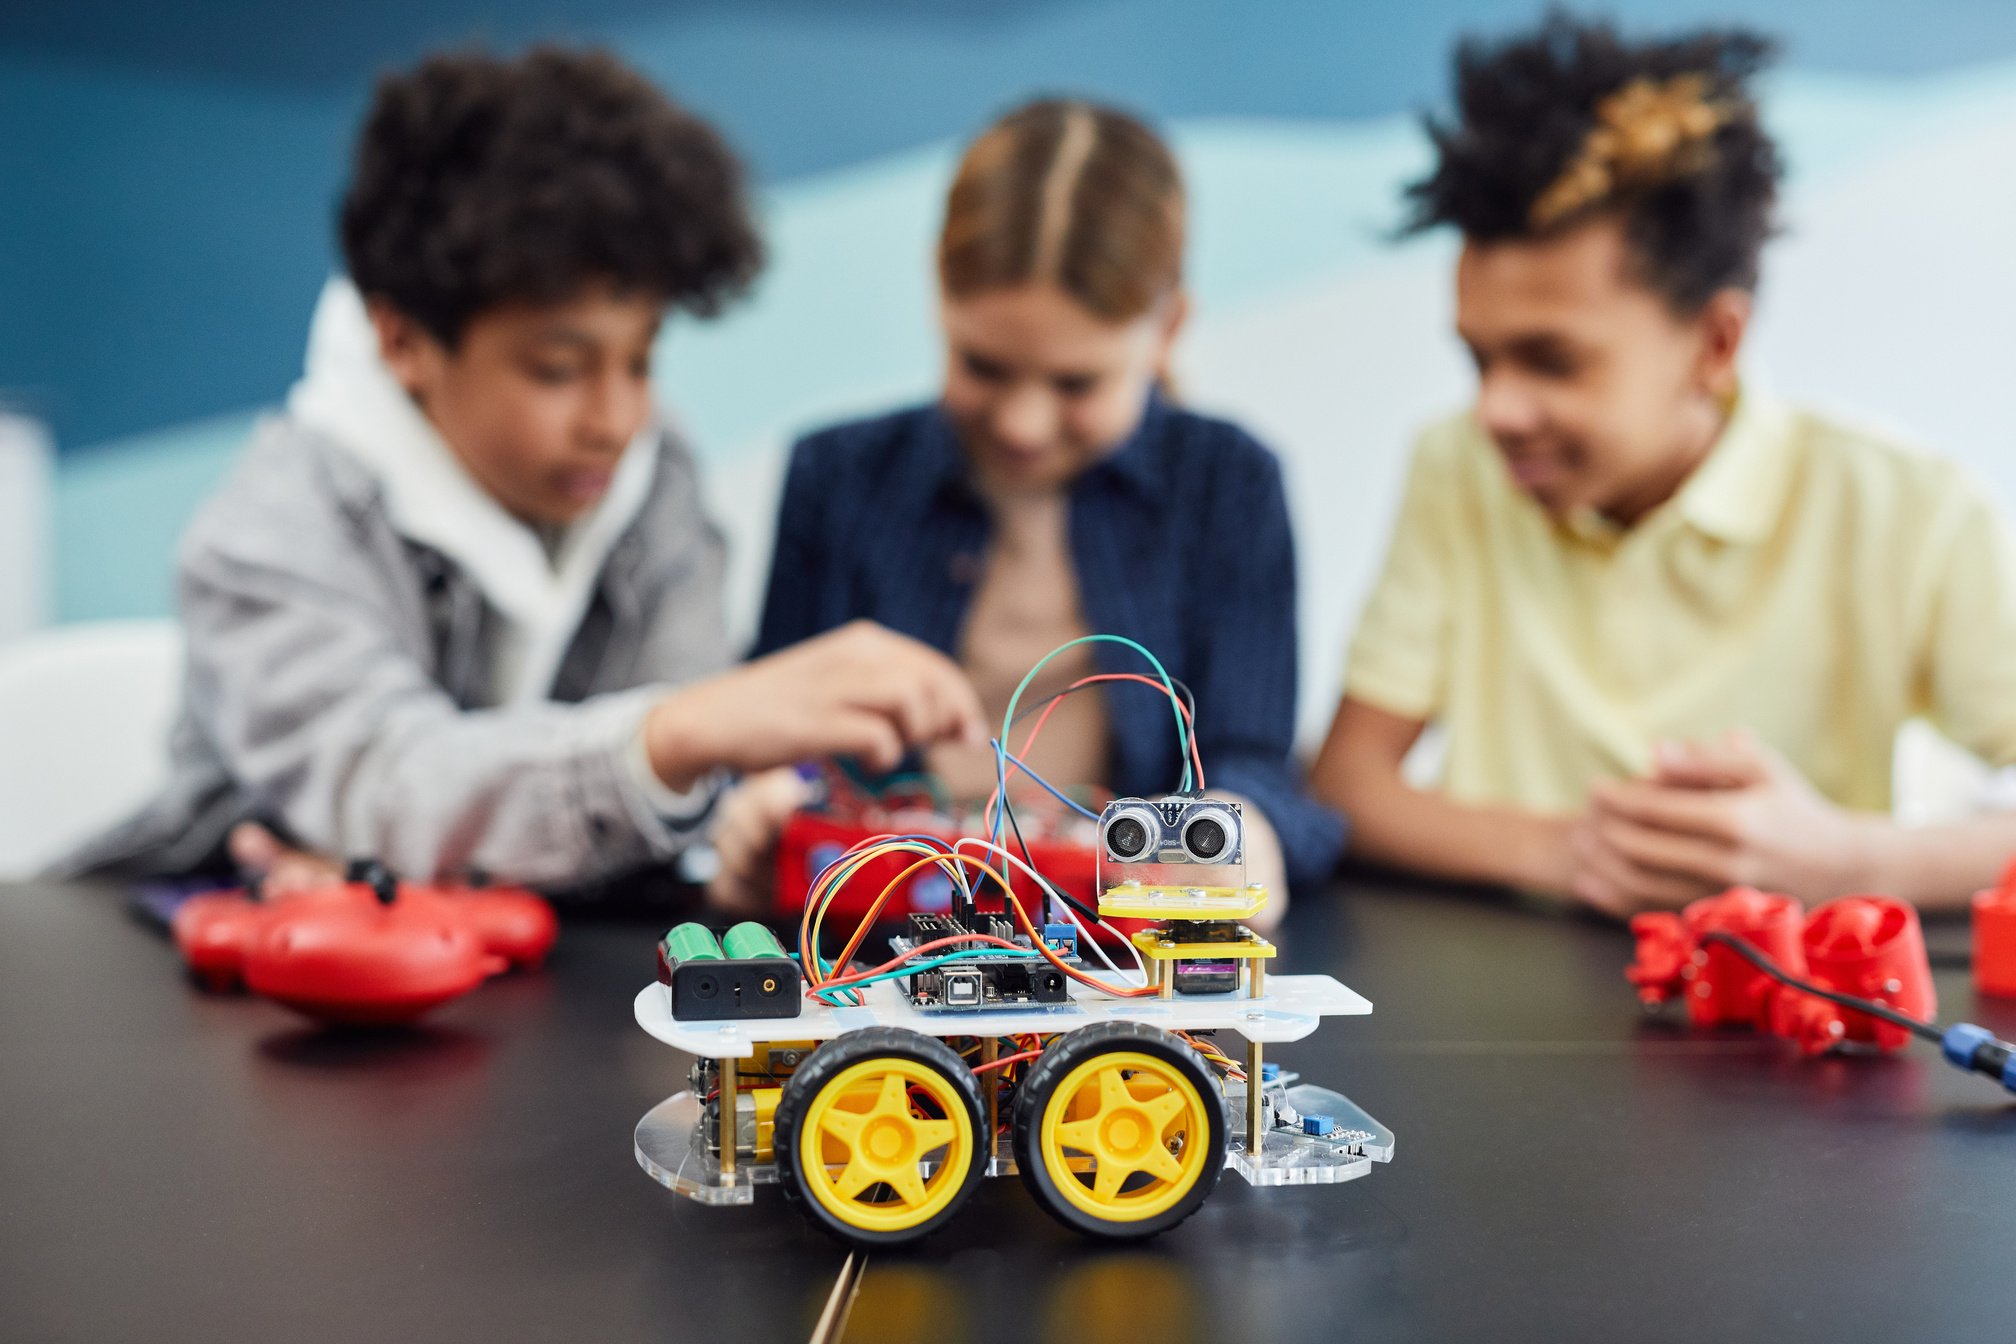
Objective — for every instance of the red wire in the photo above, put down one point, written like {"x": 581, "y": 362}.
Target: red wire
{"x": 844, "y": 981}
{"x": 1006, "y": 1060}
{"x": 1196, "y": 758}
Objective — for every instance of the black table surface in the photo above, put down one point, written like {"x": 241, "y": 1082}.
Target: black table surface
{"x": 175, "y": 1165}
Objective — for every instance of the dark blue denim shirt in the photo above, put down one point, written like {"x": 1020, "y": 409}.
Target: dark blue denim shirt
{"x": 1180, "y": 539}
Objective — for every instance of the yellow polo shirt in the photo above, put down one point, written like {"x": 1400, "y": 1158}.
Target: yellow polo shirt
{"x": 1812, "y": 583}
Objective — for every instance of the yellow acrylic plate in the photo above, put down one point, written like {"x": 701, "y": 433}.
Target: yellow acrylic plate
{"x": 1155, "y": 949}
{"x": 1131, "y": 901}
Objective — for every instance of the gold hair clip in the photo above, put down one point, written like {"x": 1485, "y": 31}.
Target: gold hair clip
{"x": 1646, "y": 133}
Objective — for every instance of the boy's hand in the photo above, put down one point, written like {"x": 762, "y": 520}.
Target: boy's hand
{"x": 1731, "y": 812}
{"x": 279, "y": 867}
{"x": 746, "y": 826}
{"x": 860, "y": 691}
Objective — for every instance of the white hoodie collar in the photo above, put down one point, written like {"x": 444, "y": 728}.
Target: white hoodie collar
{"x": 348, "y": 395}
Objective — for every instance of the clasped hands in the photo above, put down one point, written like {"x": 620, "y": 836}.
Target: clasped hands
{"x": 1709, "y": 816}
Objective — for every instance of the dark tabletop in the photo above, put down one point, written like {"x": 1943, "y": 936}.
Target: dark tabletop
{"x": 180, "y": 1166}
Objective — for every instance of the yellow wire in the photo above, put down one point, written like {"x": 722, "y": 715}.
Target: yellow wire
{"x": 947, "y": 862}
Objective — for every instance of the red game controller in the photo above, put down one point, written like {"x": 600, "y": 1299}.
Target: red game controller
{"x": 1871, "y": 947}
{"x": 371, "y": 950}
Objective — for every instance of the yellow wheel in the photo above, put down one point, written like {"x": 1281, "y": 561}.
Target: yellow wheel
{"x": 879, "y": 1134}
{"x": 1120, "y": 1130}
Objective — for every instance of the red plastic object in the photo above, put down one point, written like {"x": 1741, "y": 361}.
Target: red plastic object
{"x": 363, "y": 951}
{"x": 812, "y": 840}
{"x": 1995, "y": 936}
{"x": 1721, "y": 989}
{"x": 367, "y": 965}
{"x": 1868, "y": 946}
{"x": 511, "y": 922}
{"x": 1874, "y": 948}
{"x": 215, "y": 930}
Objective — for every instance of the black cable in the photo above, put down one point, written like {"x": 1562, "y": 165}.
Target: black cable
{"x": 1190, "y": 702}
{"x": 1050, "y": 887}
{"x": 1189, "y": 699}
{"x": 1883, "y": 1011}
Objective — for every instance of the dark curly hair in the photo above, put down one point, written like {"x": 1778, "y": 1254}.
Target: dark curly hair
{"x": 482, "y": 180}
{"x": 1527, "y": 107}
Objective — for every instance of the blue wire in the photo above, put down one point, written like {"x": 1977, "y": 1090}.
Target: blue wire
{"x": 1008, "y": 718}
{"x": 1048, "y": 788}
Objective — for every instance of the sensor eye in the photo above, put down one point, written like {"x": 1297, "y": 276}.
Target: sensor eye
{"x": 1210, "y": 834}
{"x": 1205, "y": 838}
{"x": 1126, "y": 838}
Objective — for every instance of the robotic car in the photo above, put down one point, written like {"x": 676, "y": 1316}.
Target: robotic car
{"x": 878, "y": 1096}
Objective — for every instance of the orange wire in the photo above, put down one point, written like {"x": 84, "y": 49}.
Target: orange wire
{"x": 823, "y": 893}
{"x": 868, "y": 919}
{"x": 1196, "y": 758}
{"x": 1021, "y": 915}
{"x": 826, "y": 890}
{"x": 852, "y": 977}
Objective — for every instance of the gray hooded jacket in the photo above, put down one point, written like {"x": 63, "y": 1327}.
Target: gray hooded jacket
{"x": 359, "y": 673}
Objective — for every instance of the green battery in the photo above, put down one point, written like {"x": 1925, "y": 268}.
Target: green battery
{"x": 750, "y": 939}
{"x": 690, "y": 942}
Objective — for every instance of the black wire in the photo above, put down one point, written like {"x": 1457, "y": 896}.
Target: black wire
{"x": 1771, "y": 968}
{"x": 1189, "y": 699}
{"x": 1051, "y": 887}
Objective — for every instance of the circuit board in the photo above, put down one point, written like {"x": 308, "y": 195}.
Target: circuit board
{"x": 977, "y": 983}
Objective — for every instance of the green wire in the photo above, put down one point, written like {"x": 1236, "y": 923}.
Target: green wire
{"x": 854, "y": 865}
{"x": 932, "y": 964}
{"x": 1175, "y": 705}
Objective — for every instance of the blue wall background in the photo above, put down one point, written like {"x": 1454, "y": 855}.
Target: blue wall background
{"x": 170, "y": 172}
{"x": 181, "y": 161}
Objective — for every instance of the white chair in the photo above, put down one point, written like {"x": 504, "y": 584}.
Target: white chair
{"x": 85, "y": 712}
{"x": 26, "y": 486}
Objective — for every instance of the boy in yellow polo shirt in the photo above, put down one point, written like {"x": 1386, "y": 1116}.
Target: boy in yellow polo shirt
{"x": 1669, "y": 626}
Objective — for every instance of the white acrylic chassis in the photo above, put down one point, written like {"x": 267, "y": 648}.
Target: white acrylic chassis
{"x": 669, "y": 1146}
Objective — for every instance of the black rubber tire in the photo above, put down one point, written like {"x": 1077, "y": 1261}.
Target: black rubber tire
{"x": 826, "y": 1063}
{"x": 1040, "y": 1085}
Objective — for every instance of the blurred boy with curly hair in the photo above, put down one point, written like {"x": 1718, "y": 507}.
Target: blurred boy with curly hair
{"x": 459, "y": 608}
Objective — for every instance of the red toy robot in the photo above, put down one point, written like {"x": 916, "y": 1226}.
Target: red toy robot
{"x": 1722, "y": 990}
{"x": 1870, "y": 947}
